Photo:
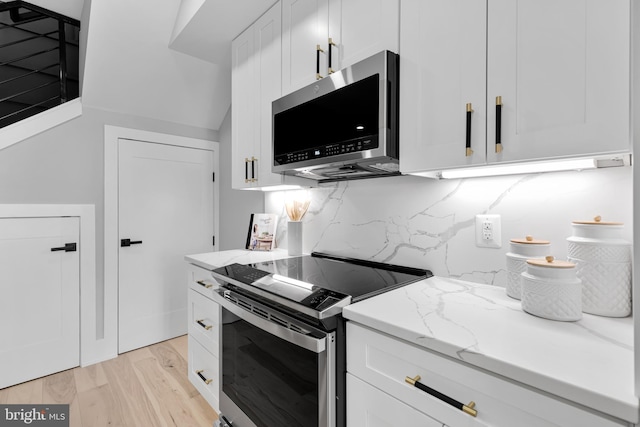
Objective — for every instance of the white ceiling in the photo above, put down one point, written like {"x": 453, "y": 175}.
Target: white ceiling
{"x": 165, "y": 60}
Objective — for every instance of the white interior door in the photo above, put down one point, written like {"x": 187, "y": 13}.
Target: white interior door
{"x": 39, "y": 297}
{"x": 165, "y": 203}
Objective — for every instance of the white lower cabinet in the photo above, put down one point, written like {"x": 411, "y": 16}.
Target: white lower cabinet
{"x": 204, "y": 335}
{"x": 383, "y": 363}
{"x": 204, "y": 372}
{"x": 370, "y": 407}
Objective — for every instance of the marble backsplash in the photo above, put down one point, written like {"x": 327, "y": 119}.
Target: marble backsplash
{"x": 431, "y": 224}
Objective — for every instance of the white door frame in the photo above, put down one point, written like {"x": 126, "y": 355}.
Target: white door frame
{"x": 87, "y": 248}
{"x": 111, "y": 247}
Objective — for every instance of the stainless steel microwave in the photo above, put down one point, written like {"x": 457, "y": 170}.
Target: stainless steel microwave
{"x": 344, "y": 126}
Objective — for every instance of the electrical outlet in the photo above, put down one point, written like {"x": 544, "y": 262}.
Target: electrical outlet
{"x": 488, "y": 231}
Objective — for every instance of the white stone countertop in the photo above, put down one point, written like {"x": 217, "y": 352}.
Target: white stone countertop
{"x": 589, "y": 362}
{"x": 212, "y": 260}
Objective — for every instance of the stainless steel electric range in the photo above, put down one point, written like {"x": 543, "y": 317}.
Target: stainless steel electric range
{"x": 283, "y": 336}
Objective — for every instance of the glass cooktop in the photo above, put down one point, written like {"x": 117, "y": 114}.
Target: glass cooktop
{"x": 320, "y": 282}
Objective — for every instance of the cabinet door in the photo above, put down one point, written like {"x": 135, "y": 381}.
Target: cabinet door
{"x": 361, "y": 28}
{"x": 267, "y": 74}
{"x": 562, "y": 70}
{"x": 39, "y": 298}
{"x": 442, "y": 69}
{"x": 370, "y": 407}
{"x": 242, "y": 109}
{"x": 304, "y": 26}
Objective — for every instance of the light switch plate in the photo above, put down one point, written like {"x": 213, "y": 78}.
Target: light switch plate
{"x": 488, "y": 233}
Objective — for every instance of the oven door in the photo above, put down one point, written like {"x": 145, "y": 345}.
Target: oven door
{"x": 276, "y": 370}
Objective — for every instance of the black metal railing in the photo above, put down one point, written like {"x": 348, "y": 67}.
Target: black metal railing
{"x": 39, "y": 60}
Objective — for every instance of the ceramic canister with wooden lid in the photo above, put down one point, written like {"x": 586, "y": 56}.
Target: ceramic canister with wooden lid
{"x": 603, "y": 262}
{"x": 550, "y": 289}
{"x": 520, "y": 251}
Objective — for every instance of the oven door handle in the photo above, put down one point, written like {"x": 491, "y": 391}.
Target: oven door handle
{"x": 316, "y": 345}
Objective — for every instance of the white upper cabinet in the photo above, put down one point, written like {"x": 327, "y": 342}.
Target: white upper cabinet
{"x": 319, "y": 36}
{"x": 442, "y": 69}
{"x": 255, "y": 84}
{"x": 560, "y": 69}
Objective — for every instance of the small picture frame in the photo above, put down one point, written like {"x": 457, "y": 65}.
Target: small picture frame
{"x": 262, "y": 232}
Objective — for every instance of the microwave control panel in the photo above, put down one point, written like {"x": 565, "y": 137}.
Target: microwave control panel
{"x": 361, "y": 144}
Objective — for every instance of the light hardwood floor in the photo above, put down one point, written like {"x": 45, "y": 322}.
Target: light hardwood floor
{"x": 147, "y": 387}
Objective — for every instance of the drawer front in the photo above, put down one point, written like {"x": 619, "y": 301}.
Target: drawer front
{"x": 385, "y": 362}
{"x": 204, "y": 321}
{"x": 201, "y": 281}
{"x": 370, "y": 407}
{"x": 204, "y": 373}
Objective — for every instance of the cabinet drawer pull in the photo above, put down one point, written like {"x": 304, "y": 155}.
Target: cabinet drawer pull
{"x": 468, "y": 409}
{"x": 469, "y": 151}
{"x": 498, "y": 124}
{"x": 202, "y": 377}
{"x": 318, "y": 50}
{"x": 201, "y": 323}
{"x": 246, "y": 170}
{"x": 203, "y": 284}
{"x": 331, "y": 43}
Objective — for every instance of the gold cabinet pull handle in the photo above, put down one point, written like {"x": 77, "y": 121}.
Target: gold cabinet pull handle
{"x": 318, "y": 50}
{"x": 331, "y": 43}
{"x": 498, "y": 124}
{"x": 203, "y": 378}
{"x": 205, "y": 326}
{"x": 467, "y": 409}
{"x": 468, "y": 151}
{"x": 204, "y": 284}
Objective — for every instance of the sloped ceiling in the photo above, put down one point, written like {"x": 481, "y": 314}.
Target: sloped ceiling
{"x": 205, "y": 28}
{"x": 165, "y": 60}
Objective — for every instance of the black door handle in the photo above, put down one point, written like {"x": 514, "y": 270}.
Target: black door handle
{"x": 68, "y": 247}
{"x": 127, "y": 242}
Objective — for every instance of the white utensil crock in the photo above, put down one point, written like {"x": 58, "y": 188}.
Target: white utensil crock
{"x": 294, "y": 237}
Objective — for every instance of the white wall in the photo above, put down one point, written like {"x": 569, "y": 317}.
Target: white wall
{"x": 65, "y": 165}
{"x": 430, "y": 224}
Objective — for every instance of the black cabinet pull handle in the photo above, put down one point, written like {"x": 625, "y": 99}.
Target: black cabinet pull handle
{"x": 468, "y": 151}
{"x": 68, "y": 247}
{"x": 202, "y": 377}
{"x": 331, "y": 43}
{"x": 467, "y": 409}
{"x": 318, "y": 50}
{"x": 498, "y": 124}
{"x": 128, "y": 242}
{"x": 203, "y": 284}
{"x": 253, "y": 169}
{"x": 246, "y": 170}
{"x": 205, "y": 326}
